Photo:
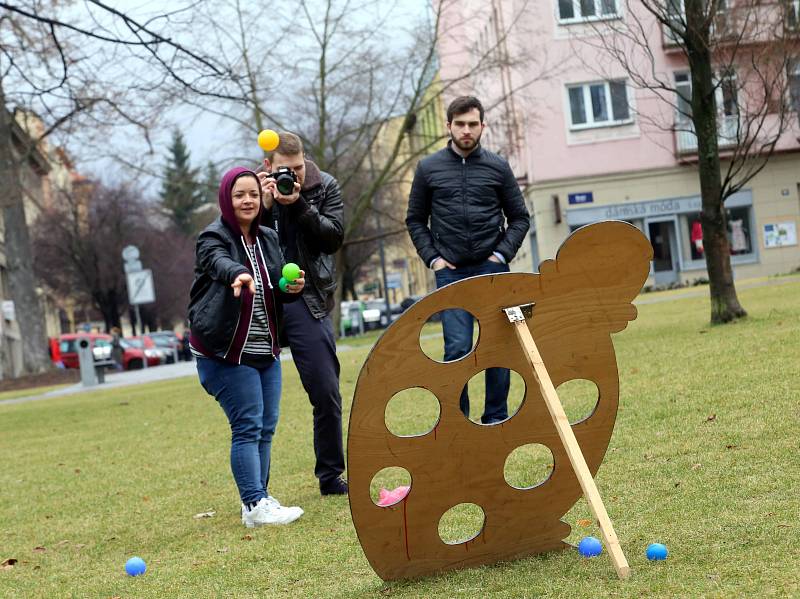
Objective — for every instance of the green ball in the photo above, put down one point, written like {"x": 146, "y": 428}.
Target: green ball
{"x": 290, "y": 271}
{"x": 282, "y": 284}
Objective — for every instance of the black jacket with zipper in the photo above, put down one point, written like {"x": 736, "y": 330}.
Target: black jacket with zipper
{"x": 317, "y": 220}
{"x": 214, "y": 312}
{"x": 468, "y": 202}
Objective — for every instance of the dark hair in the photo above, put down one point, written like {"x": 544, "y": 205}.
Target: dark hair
{"x": 463, "y": 104}
{"x": 289, "y": 145}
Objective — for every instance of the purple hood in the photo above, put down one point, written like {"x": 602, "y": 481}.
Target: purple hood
{"x": 226, "y": 201}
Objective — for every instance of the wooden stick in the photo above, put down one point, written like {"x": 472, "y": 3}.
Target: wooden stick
{"x": 567, "y": 435}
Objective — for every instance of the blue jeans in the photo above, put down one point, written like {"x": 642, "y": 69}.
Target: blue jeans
{"x": 457, "y": 326}
{"x": 250, "y": 398}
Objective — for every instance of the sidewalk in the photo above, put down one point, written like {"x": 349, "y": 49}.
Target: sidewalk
{"x": 182, "y": 369}
{"x": 116, "y": 380}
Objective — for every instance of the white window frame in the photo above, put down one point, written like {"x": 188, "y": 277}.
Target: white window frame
{"x": 598, "y": 6}
{"x": 793, "y": 70}
{"x": 727, "y": 124}
{"x": 719, "y": 26}
{"x": 793, "y": 5}
{"x": 587, "y": 105}
{"x": 718, "y": 94}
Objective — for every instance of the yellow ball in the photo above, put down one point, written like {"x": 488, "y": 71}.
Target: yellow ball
{"x": 268, "y": 140}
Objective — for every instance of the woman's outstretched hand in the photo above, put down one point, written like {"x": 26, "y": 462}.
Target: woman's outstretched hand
{"x": 243, "y": 279}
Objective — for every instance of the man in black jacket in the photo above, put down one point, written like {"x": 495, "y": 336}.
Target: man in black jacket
{"x": 467, "y": 217}
{"x": 309, "y": 225}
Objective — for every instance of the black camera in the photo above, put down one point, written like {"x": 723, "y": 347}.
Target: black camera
{"x": 284, "y": 180}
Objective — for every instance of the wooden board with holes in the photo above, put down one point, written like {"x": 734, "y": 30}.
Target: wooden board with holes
{"x": 580, "y": 298}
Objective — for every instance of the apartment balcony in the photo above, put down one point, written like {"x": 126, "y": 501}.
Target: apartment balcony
{"x": 746, "y": 24}
{"x": 686, "y": 140}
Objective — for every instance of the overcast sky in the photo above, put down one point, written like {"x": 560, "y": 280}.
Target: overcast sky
{"x": 208, "y": 137}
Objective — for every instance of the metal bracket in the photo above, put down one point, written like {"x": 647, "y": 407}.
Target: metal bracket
{"x": 519, "y": 313}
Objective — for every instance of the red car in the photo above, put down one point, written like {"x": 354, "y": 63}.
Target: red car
{"x": 143, "y": 342}
{"x": 132, "y": 357}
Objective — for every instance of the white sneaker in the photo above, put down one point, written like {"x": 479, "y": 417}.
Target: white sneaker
{"x": 269, "y": 511}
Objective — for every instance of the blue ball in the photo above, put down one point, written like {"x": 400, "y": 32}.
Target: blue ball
{"x": 657, "y": 551}
{"x": 590, "y": 546}
{"x": 135, "y": 566}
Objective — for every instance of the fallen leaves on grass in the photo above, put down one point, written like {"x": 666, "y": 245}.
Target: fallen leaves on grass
{"x": 39, "y": 549}
{"x": 696, "y": 466}
{"x": 8, "y": 563}
{"x": 204, "y": 515}
{"x": 222, "y": 550}
{"x": 247, "y": 538}
{"x": 731, "y": 446}
{"x": 711, "y": 418}
{"x": 584, "y": 522}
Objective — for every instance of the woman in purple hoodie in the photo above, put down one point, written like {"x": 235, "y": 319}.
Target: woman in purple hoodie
{"x": 234, "y": 311}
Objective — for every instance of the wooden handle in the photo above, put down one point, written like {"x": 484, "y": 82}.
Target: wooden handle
{"x": 572, "y": 448}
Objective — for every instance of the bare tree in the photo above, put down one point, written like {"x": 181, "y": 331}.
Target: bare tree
{"x": 328, "y": 73}
{"x": 64, "y": 64}
{"x": 78, "y": 246}
{"x": 734, "y": 104}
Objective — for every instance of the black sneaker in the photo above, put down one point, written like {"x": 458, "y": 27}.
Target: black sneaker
{"x": 337, "y": 486}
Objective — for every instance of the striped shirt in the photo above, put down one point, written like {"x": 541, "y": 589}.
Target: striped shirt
{"x": 259, "y": 339}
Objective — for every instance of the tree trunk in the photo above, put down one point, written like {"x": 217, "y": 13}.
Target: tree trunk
{"x": 108, "y": 304}
{"x": 724, "y": 302}
{"x": 19, "y": 257}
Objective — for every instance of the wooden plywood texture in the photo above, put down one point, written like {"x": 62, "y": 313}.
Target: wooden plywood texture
{"x": 580, "y": 298}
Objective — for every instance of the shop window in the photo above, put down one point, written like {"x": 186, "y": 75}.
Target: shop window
{"x": 740, "y": 236}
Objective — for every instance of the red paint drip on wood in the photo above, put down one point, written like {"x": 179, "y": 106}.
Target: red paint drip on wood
{"x": 405, "y": 526}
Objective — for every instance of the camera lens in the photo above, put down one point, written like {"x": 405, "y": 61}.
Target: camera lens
{"x": 285, "y": 184}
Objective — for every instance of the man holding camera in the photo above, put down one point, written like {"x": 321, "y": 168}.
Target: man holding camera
{"x": 304, "y": 205}
{"x": 478, "y": 220}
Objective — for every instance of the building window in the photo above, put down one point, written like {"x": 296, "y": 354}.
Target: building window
{"x": 598, "y": 104}
{"x": 727, "y": 98}
{"x": 676, "y": 19}
{"x": 792, "y": 14}
{"x": 794, "y": 86}
{"x": 586, "y": 10}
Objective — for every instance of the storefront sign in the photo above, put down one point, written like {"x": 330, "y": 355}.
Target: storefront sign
{"x": 580, "y": 198}
{"x": 780, "y": 235}
{"x": 641, "y": 210}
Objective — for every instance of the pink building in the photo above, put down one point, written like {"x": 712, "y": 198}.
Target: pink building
{"x": 591, "y": 140}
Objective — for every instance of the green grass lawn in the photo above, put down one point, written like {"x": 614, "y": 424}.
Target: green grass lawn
{"x": 704, "y": 458}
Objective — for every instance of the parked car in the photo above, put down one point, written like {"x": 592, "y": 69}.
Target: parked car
{"x": 375, "y": 314}
{"x": 167, "y": 341}
{"x": 132, "y": 357}
{"x": 351, "y": 319}
{"x": 153, "y": 353}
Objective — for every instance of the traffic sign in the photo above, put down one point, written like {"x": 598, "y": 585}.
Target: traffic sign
{"x": 130, "y": 253}
{"x": 140, "y": 287}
